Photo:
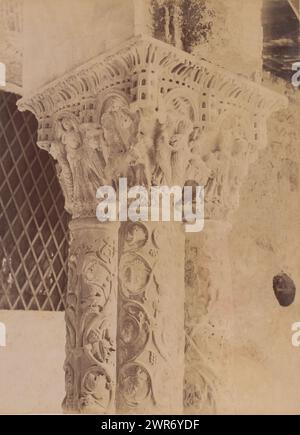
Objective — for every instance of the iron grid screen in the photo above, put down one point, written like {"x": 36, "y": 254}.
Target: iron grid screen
{"x": 33, "y": 222}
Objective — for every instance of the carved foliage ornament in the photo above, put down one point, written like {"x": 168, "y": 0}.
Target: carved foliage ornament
{"x": 91, "y": 343}
{"x": 141, "y": 64}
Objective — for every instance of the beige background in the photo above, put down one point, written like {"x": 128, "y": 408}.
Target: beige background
{"x": 31, "y": 364}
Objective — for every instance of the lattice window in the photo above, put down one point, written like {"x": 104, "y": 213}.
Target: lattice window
{"x": 33, "y": 222}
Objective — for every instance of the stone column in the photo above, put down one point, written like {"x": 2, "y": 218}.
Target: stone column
{"x": 208, "y": 319}
{"x": 156, "y": 115}
{"x": 150, "y": 338}
{"x": 91, "y": 312}
{"x": 225, "y": 151}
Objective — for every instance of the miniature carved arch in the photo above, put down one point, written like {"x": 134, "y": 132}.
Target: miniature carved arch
{"x": 183, "y": 104}
{"x": 109, "y": 99}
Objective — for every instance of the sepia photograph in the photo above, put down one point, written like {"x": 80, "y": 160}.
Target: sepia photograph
{"x": 149, "y": 210}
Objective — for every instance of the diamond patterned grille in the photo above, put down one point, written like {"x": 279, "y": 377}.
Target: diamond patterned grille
{"x": 33, "y": 222}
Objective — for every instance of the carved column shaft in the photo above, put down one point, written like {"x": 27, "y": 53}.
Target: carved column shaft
{"x": 208, "y": 319}
{"x": 147, "y": 334}
{"x": 91, "y": 314}
{"x": 151, "y": 318}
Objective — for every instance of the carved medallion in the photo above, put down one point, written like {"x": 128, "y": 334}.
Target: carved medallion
{"x": 133, "y": 331}
{"x": 135, "y": 384}
{"x": 135, "y": 237}
{"x": 96, "y": 390}
{"x": 134, "y": 275}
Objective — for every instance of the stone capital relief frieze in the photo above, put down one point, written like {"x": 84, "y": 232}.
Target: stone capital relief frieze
{"x": 152, "y": 113}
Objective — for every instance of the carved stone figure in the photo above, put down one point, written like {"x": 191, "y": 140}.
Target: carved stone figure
{"x": 120, "y": 132}
{"x": 64, "y": 172}
{"x": 98, "y": 341}
{"x": 83, "y": 159}
{"x": 163, "y": 155}
{"x": 181, "y": 154}
{"x": 142, "y": 158}
{"x": 94, "y": 138}
{"x": 200, "y": 145}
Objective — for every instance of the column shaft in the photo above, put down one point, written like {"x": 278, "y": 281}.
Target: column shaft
{"x": 150, "y": 339}
{"x": 208, "y": 319}
{"x": 91, "y": 312}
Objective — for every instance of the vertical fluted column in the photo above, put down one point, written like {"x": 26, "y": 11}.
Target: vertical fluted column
{"x": 91, "y": 314}
{"x": 150, "y": 342}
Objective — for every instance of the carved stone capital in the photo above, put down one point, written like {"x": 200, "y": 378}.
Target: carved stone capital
{"x": 155, "y": 114}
